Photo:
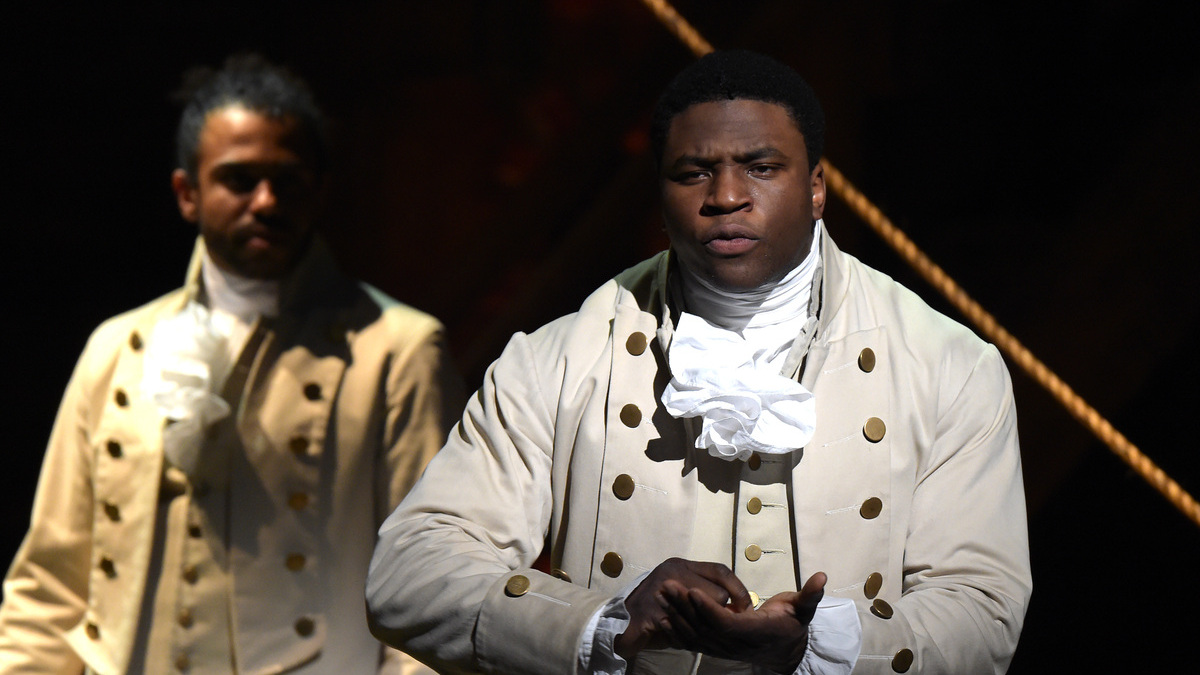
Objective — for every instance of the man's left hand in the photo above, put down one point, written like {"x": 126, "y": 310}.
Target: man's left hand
{"x": 775, "y": 635}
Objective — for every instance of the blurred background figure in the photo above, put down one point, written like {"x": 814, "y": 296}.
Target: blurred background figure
{"x": 224, "y": 454}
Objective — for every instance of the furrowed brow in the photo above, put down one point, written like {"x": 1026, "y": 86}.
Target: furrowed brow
{"x": 757, "y": 154}
{"x": 693, "y": 160}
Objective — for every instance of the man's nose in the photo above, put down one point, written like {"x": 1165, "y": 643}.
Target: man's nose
{"x": 727, "y": 193}
{"x": 264, "y": 200}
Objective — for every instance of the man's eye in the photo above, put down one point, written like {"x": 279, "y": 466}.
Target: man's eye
{"x": 289, "y": 183}
{"x": 690, "y": 177}
{"x": 763, "y": 170}
{"x": 240, "y": 182}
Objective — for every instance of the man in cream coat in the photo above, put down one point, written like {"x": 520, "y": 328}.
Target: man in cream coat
{"x": 224, "y": 454}
{"x": 751, "y": 453}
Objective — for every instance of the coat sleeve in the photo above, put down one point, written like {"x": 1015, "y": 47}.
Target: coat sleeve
{"x": 450, "y": 581}
{"x": 967, "y": 577}
{"x": 424, "y": 395}
{"x": 45, "y": 591}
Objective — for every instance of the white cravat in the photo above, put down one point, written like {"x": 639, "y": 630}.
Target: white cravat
{"x": 237, "y": 302}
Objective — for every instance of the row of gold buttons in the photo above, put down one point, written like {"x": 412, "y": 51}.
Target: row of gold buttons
{"x": 874, "y": 431}
{"x": 111, "y": 510}
{"x": 623, "y": 487}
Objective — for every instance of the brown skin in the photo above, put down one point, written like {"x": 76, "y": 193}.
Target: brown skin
{"x": 254, "y": 193}
{"x": 650, "y": 622}
{"x": 775, "y": 635}
{"x": 738, "y": 197}
{"x": 704, "y": 607}
{"x": 739, "y": 202}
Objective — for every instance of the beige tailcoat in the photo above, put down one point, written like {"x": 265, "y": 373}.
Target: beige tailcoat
{"x": 129, "y": 566}
{"x": 567, "y": 445}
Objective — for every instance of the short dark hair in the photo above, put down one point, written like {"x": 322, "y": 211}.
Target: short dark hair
{"x": 250, "y": 81}
{"x": 739, "y": 74}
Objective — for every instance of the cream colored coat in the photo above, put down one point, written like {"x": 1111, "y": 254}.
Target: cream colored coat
{"x": 128, "y": 565}
{"x": 933, "y": 514}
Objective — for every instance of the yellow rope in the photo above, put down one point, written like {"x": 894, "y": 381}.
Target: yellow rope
{"x": 977, "y": 315}
{"x": 679, "y": 26}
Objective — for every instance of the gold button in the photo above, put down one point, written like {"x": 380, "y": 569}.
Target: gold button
{"x": 298, "y": 500}
{"x": 560, "y": 574}
{"x": 517, "y": 585}
{"x": 631, "y": 416}
{"x": 191, "y": 574}
{"x": 902, "y": 661}
{"x": 304, "y": 626}
{"x": 185, "y": 618}
{"x": 753, "y": 552}
{"x": 92, "y": 630}
{"x": 874, "y": 583}
{"x": 636, "y": 344}
{"x": 121, "y": 398}
{"x": 298, "y": 445}
{"x": 871, "y": 508}
{"x": 612, "y": 564}
{"x": 623, "y": 486}
{"x": 135, "y": 341}
{"x": 112, "y": 511}
{"x": 108, "y": 567}
{"x": 754, "y": 600}
{"x": 754, "y": 462}
{"x": 754, "y": 505}
{"x": 312, "y": 391}
{"x": 182, "y": 662}
{"x": 114, "y": 449}
{"x": 881, "y": 609}
{"x": 866, "y": 360}
{"x": 295, "y": 562}
{"x": 874, "y": 430}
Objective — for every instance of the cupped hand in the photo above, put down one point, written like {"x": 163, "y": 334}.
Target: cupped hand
{"x": 649, "y": 623}
{"x": 775, "y": 635}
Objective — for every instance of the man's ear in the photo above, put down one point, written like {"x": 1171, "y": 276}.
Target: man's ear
{"x": 817, "y": 182}
{"x": 185, "y": 195}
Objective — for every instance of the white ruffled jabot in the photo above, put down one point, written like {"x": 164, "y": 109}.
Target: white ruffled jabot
{"x": 186, "y": 363}
{"x": 743, "y": 409}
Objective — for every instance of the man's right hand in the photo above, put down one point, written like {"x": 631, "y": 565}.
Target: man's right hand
{"x": 647, "y": 604}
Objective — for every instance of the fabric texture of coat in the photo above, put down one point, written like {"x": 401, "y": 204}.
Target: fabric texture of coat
{"x": 130, "y": 565}
{"x": 909, "y": 497}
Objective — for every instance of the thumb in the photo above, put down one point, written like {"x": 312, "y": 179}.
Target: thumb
{"x": 810, "y": 597}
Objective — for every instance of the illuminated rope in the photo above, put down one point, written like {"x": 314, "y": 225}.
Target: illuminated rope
{"x": 977, "y": 315}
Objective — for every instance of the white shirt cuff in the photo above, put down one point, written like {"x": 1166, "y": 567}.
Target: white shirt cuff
{"x": 597, "y": 648}
{"x": 834, "y": 639}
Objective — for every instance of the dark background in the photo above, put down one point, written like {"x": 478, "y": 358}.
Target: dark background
{"x": 491, "y": 169}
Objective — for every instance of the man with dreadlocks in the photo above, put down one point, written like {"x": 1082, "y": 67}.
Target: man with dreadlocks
{"x": 750, "y": 453}
{"x": 224, "y": 454}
